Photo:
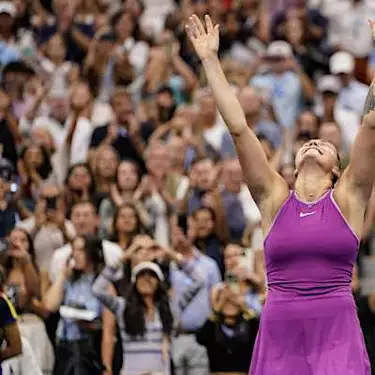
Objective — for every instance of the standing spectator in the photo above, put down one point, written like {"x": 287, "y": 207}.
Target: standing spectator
{"x": 229, "y": 333}
{"x": 71, "y": 293}
{"x": 188, "y": 356}
{"x": 282, "y": 85}
{"x": 48, "y": 226}
{"x": 85, "y": 221}
{"x": 145, "y": 314}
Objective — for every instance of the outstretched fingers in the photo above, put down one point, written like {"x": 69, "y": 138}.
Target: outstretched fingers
{"x": 198, "y": 25}
{"x": 190, "y": 32}
{"x": 209, "y": 26}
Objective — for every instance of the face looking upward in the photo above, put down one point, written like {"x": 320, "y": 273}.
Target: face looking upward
{"x": 322, "y": 153}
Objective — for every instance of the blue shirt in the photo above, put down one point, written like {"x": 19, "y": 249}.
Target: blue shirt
{"x": 285, "y": 95}
{"x": 8, "y": 54}
{"x": 199, "y": 309}
{"x": 77, "y": 294}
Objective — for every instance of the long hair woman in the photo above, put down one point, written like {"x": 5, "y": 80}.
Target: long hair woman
{"x": 71, "y": 294}
{"x": 145, "y": 314}
{"x": 309, "y": 323}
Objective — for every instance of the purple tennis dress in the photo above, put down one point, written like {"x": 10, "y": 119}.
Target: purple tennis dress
{"x": 309, "y": 324}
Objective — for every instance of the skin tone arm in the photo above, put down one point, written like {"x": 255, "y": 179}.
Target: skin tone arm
{"x": 267, "y": 187}
{"x": 109, "y": 333}
{"x": 55, "y": 295}
{"x": 13, "y": 339}
{"x": 354, "y": 189}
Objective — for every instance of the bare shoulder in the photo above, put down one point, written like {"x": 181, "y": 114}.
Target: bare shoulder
{"x": 271, "y": 202}
{"x": 351, "y": 203}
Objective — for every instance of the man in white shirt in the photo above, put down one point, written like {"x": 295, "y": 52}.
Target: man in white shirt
{"x": 332, "y": 110}
{"x": 85, "y": 221}
{"x": 353, "y": 93}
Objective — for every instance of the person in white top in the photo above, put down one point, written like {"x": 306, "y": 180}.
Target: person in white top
{"x": 331, "y": 109}
{"x": 85, "y": 221}
{"x": 353, "y": 93}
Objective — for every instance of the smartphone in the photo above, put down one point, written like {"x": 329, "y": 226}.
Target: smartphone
{"x": 13, "y": 188}
{"x": 182, "y": 223}
{"x": 12, "y": 292}
{"x": 51, "y": 203}
{"x": 247, "y": 259}
{"x": 232, "y": 281}
{"x": 4, "y": 246}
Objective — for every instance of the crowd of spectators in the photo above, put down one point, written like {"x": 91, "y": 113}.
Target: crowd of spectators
{"x": 129, "y": 241}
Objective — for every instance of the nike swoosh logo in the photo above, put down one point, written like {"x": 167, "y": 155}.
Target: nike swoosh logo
{"x": 304, "y": 214}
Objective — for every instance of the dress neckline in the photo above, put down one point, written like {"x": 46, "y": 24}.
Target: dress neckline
{"x": 311, "y": 203}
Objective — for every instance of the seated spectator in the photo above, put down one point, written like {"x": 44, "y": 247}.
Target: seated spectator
{"x": 229, "y": 333}
{"x": 71, "y": 295}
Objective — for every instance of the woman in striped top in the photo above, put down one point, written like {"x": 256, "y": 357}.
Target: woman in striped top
{"x": 145, "y": 314}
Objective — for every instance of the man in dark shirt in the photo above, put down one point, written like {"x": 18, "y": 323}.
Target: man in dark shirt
{"x": 123, "y": 133}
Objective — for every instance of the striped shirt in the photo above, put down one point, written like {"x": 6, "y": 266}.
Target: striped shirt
{"x": 144, "y": 354}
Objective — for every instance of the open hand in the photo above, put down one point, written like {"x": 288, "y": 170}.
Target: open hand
{"x": 205, "y": 40}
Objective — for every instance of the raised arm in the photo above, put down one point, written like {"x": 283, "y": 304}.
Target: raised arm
{"x": 355, "y": 186}
{"x": 260, "y": 177}
{"x": 102, "y": 292}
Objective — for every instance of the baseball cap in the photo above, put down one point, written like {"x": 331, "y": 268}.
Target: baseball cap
{"x": 279, "y": 48}
{"x": 341, "y": 62}
{"x": 8, "y": 8}
{"x": 329, "y": 83}
{"x": 147, "y": 266}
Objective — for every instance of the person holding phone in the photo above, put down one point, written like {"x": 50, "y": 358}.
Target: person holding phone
{"x": 8, "y": 326}
{"x": 80, "y": 311}
{"x": 229, "y": 332}
{"x": 309, "y": 323}
{"x": 48, "y": 227}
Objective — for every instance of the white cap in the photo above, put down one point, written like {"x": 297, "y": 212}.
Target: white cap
{"x": 329, "y": 84}
{"x": 341, "y": 62}
{"x": 279, "y": 48}
{"x": 8, "y": 8}
{"x": 149, "y": 266}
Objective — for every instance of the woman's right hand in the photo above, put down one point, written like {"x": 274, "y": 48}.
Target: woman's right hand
{"x": 205, "y": 40}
